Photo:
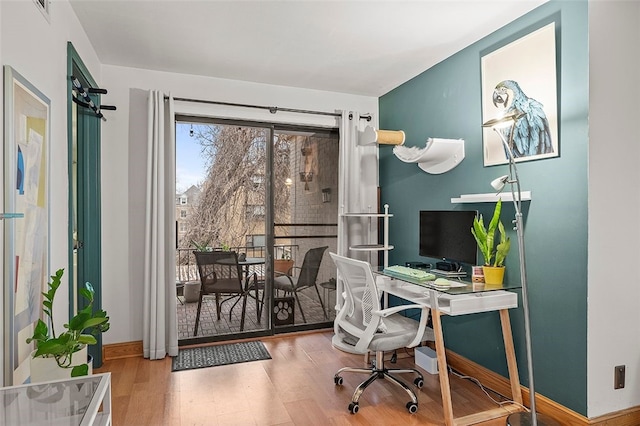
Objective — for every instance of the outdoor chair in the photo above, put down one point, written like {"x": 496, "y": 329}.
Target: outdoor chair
{"x": 223, "y": 277}
{"x": 298, "y": 278}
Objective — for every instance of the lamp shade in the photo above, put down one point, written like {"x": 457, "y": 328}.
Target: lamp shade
{"x": 498, "y": 183}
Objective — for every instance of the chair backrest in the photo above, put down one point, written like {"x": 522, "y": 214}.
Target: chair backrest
{"x": 310, "y": 266}
{"x": 361, "y": 298}
{"x": 219, "y": 270}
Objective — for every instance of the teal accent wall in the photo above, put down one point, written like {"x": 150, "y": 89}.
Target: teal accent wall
{"x": 444, "y": 101}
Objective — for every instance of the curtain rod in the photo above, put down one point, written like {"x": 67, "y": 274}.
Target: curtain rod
{"x": 271, "y": 109}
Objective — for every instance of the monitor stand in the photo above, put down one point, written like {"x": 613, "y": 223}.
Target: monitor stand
{"x": 449, "y": 269}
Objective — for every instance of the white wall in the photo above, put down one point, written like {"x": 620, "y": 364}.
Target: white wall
{"x": 614, "y": 205}
{"x": 37, "y": 49}
{"x": 123, "y": 141}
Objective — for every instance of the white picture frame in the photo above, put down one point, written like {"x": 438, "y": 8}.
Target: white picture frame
{"x": 26, "y": 224}
{"x": 530, "y": 63}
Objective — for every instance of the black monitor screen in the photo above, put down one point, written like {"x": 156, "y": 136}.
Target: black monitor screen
{"x": 447, "y": 235}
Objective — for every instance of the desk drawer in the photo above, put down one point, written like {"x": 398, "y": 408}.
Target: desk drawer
{"x": 461, "y": 304}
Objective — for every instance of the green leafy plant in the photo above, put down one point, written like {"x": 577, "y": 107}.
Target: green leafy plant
{"x": 81, "y": 330}
{"x": 201, "y": 246}
{"x": 485, "y": 238}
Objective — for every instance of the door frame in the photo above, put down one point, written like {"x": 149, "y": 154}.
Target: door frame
{"x": 272, "y": 128}
{"x": 89, "y": 259}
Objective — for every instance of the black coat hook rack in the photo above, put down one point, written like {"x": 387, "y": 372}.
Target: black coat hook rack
{"x": 87, "y": 102}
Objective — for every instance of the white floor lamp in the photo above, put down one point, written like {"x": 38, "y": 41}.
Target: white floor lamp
{"x": 509, "y": 121}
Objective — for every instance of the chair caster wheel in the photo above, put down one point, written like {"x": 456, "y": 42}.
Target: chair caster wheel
{"x": 338, "y": 380}
{"x": 353, "y": 408}
{"x": 412, "y": 407}
{"x": 419, "y": 382}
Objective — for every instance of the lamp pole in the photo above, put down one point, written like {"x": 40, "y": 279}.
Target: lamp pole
{"x": 532, "y": 417}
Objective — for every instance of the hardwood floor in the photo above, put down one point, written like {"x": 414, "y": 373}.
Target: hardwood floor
{"x": 295, "y": 387}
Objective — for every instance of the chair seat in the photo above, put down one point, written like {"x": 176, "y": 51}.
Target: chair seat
{"x": 400, "y": 331}
{"x": 222, "y": 287}
{"x": 283, "y": 283}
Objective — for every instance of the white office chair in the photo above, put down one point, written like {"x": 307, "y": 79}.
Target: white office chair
{"x": 363, "y": 322}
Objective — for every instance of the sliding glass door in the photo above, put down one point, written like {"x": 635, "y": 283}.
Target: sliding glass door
{"x": 267, "y": 193}
{"x": 305, "y": 227}
{"x": 220, "y": 206}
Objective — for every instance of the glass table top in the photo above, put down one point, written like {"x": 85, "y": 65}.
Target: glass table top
{"x": 65, "y": 402}
{"x": 456, "y": 285}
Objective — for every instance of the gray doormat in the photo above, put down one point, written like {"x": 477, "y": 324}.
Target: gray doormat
{"x": 209, "y": 356}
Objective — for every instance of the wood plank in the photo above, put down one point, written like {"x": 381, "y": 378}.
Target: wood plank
{"x": 510, "y": 352}
{"x": 443, "y": 373}
{"x": 121, "y": 350}
{"x": 495, "y": 413}
{"x": 300, "y": 377}
{"x": 295, "y": 387}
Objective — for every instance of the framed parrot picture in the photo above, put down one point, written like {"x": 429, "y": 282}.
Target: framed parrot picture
{"x": 515, "y": 84}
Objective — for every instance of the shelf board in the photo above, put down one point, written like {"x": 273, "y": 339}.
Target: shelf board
{"x": 489, "y": 198}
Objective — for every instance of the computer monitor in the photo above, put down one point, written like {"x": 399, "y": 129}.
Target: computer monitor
{"x": 446, "y": 235}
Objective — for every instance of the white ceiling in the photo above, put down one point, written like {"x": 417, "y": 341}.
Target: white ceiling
{"x": 357, "y": 47}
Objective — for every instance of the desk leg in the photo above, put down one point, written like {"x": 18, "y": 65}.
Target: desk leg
{"x": 443, "y": 373}
{"x": 511, "y": 356}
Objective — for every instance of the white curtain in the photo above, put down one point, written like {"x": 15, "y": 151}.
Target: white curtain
{"x": 358, "y": 191}
{"x": 160, "y": 324}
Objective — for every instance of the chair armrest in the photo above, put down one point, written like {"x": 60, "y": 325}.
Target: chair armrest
{"x": 290, "y": 270}
{"x": 424, "y": 316}
{"x": 395, "y": 309}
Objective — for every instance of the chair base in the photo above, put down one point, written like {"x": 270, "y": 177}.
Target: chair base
{"x": 378, "y": 371}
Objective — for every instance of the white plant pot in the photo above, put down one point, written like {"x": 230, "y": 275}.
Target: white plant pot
{"x": 191, "y": 291}
{"x": 47, "y": 369}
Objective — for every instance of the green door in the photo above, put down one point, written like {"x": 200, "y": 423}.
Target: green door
{"x": 84, "y": 197}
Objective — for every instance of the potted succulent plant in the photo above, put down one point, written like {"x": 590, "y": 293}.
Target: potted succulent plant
{"x": 201, "y": 246}
{"x": 494, "y": 255}
{"x": 66, "y": 351}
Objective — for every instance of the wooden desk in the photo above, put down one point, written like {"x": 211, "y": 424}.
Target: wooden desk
{"x": 473, "y": 298}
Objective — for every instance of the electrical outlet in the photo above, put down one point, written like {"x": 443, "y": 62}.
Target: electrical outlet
{"x": 618, "y": 377}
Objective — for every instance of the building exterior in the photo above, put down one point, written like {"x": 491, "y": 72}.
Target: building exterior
{"x": 186, "y": 203}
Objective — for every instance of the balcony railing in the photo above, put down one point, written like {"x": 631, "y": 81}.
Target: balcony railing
{"x": 187, "y": 270}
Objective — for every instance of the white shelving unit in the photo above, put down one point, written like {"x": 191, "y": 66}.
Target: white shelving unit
{"x": 385, "y": 246}
{"x": 489, "y": 198}
{"x": 337, "y": 340}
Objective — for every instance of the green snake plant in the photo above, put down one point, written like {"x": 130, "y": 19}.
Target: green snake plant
{"x": 485, "y": 238}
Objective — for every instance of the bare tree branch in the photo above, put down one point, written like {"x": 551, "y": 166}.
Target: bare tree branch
{"x": 232, "y": 202}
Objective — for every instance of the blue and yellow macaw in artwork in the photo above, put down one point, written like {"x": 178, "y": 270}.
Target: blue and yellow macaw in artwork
{"x": 531, "y": 134}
